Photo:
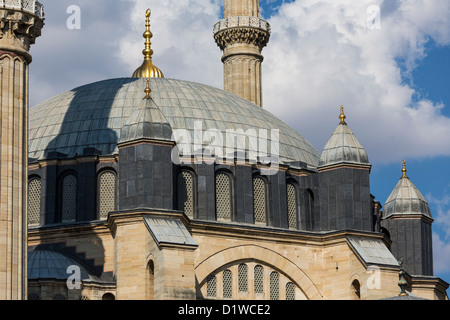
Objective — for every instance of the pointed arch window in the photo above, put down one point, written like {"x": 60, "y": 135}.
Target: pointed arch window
{"x": 223, "y": 197}
{"x": 211, "y": 286}
{"x": 259, "y": 200}
{"x": 274, "y": 286}
{"x": 291, "y": 193}
{"x": 34, "y": 201}
{"x": 259, "y": 279}
{"x": 106, "y": 194}
{"x": 243, "y": 278}
{"x": 227, "y": 284}
{"x": 69, "y": 198}
{"x": 290, "y": 291}
{"x": 185, "y": 188}
{"x": 310, "y": 197}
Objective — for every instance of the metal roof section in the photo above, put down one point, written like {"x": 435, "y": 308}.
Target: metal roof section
{"x": 372, "y": 251}
{"x": 93, "y": 116}
{"x": 52, "y": 265}
{"x": 169, "y": 231}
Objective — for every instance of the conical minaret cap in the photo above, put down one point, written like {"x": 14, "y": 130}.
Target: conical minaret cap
{"x": 343, "y": 147}
{"x": 406, "y": 199}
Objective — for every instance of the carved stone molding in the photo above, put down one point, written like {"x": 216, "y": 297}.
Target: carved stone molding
{"x": 242, "y": 35}
{"x": 18, "y": 31}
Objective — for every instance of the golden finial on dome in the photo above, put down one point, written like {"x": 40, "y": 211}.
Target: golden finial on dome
{"x": 148, "y": 69}
{"x": 404, "y": 169}
{"x": 147, "y": 90}
{"x": 342, "y": 116}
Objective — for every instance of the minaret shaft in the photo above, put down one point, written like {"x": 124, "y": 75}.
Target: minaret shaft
{"x": 18, "y": 30}
{"x": 242, "y": 35}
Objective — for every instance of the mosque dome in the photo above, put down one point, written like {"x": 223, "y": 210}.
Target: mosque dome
{"x": 94, "y": 117}
{"x": 343, "y": 147}
{"x": 406, "y": 199}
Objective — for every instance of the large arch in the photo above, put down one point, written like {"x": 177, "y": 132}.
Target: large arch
{"x": 263, "y": 255}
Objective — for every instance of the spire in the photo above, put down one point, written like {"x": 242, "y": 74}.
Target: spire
{"x": 148, "y": 69}
{"x": 342, "y": 116}
{"x": 404, "y": 170}
{"x": 147, "y": 90}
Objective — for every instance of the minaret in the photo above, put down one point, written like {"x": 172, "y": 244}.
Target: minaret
{"x": 20, "y": 24}
{"x": 242, "y": 35}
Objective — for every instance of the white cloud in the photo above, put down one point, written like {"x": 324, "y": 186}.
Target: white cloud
{"x": 441, "y": 254}
{"x": 322, "y": 55}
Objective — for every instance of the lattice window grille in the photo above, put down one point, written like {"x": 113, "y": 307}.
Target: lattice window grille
{"x": 223, "y": 197}
{"x": 243, "y": 278}
{"x": 186, "y": 193}
{"x": 259, "y": 279}
{"x": 107, "y": 194}
{"x": 227, "y": 284}
{"x": 292, "y": 206}
{"x": 28, "y": 5}
{"x": 33, "y": 296}
{"x": 259, "y": 200}
{"x": 69, "y": 198}
{"x": 59, "y": 297}
{"x": 290, "y": 291}
{"x": 274, "y": 286}
{"x": 34, "y": 202}
{"x": 211, "y": 286}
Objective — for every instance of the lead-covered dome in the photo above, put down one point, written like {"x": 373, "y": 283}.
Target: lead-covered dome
{"x": 91, "y": 117}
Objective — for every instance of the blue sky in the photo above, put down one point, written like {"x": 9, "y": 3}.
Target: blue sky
{"x": 392, "y": 80}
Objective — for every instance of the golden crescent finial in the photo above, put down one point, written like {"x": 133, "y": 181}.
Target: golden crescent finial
{"x": 342, "y": 116}
{"x": 404, "y": 170}
{"x": 148, "y": 69}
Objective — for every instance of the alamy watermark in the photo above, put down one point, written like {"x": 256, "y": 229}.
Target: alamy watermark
{"x": 74, "y": 20}
{"x": 374, "y": 17}
{"x": 251, "y": 146}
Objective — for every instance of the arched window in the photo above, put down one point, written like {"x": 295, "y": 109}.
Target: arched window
{"x": 243, "y": 278}
{"x": 69, "y": 198}
{"x": 108, "y": 296}
{"x": 185, "y": 183}
{"x": 227, "y": 284}
{"x": 106, "y": 194}
{"x": 290, "y": 291}
{"x": 274, "y": 286}
{"x": 151, "y": 280}
{"x": 259, "y": 279}
{"x": 211, "y": 286}
{"x": 291, "y": 205}
{"x": 356, "y": 289}
{"x": 223, "y": 197}
{"x": 259, "y": 200}
{"x": 34, "y": 201}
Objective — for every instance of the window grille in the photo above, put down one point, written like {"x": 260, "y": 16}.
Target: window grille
{"x": 186, "y": 193}
{"x": 59, "y": 297}
{"x": 243, "y": 278}
{"x": 33, "y": 296}
{"x": 211, "y": 286}
{"x": 69, "y": 198}
{"x": 292, "y": 206}
{"x": 107, "y": 194}
{"x": 290, "y": 291}
{"x": 227, "y": 284}
{"x": 34, "y": 202}
{"x": 274, "y": 286}
{"x": 259, "y": 200}
{"x": 259, "y": 279}
{"x": 223, "y": 197}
